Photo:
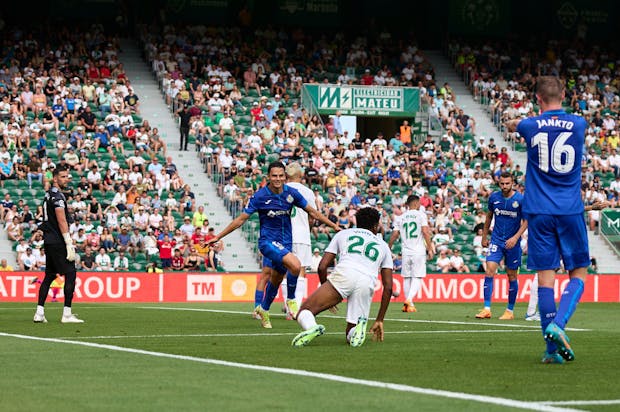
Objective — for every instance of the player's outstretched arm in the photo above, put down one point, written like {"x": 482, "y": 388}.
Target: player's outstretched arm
{"x": 232, "y": 226}
{"x": 315, "y": 214}
{"x": 377, "y": 327}
{"x": 597, "y": 206}
{"x": 511, "y": 125}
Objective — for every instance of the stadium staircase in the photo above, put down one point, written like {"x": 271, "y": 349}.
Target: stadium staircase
{"x": 7, "y": 250}
{"x": 237, "y": 254}
{"x": 607, "y": 260}
{"x": 444, "y": 72}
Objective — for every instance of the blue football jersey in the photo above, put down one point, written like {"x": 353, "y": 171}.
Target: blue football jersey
{"x": 507, "y": 214}
{"x": 274, "y": 212}
{"x": 555, "y": 143}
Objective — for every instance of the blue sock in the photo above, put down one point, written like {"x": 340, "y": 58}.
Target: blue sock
{"x": 568, "y": 302}
{"x": 258, "y": 297}
{"x": 271, "y": 292}
{"x": 291, "y": 285}
{"x": 546, "y": 306}
{"x": 513, "y": 290}
{"x": 488, "y": 291}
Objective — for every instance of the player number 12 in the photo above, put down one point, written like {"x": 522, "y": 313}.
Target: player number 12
{"x": 559, "y": 150}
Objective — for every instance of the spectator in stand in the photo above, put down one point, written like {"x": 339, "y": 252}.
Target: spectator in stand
{"x": 177, "y": 262}
{"x": 443, "y": 261}
{"x": 165, "y": 247}
{"x": 103, "y": 262}
{"x": 121, "y": 263}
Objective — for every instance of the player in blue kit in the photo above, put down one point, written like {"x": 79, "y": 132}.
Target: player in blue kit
{"x": 505, "y": 209}
{"x": 274, "y": 203}
{"x": 554, "y": 209}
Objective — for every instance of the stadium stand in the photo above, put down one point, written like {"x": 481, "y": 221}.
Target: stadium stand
{"x": 66, "y": 100}
{"x": 261, "y": 96}
{"x": 72, "y": 103}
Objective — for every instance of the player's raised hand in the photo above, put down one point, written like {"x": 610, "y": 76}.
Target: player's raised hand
{"x": 377, "y": 331}
{"x": 213, "y": 240}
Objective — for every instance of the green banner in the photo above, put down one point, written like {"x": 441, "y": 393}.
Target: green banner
{"x": 610, "y": 222}
{"x": 362, "y": 100}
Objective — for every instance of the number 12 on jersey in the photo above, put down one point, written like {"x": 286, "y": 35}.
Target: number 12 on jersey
{"x": 410, "y": 229}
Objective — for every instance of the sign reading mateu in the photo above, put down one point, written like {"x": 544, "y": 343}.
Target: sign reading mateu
{"x": 362, "y": 100}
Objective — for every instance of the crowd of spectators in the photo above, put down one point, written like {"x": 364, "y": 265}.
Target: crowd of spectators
{"x": 73, "y": 104}
{"x": 503, "y": 75}
{"x": 66, "y": 100}
{"x": 245, "y": 112}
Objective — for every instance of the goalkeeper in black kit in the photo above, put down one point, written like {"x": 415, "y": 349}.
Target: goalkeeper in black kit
{"x": 59, "y": 249}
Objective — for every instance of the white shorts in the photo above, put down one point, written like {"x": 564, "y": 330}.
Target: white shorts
{"x": 358, "y": 291}
{"x": 414, "y": 266}
{"x": 303, "y": 253}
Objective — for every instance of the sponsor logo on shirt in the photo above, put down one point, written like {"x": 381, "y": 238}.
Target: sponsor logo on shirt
{"x": 274, "y": 213}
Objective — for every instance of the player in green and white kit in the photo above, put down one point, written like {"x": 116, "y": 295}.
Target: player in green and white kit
{"x": 416, "y": 241}
{"x": 302, "y": 245}
{"x": 361, "y": 255}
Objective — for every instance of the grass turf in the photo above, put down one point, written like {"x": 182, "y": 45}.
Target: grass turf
{"x": 484, "y": 357}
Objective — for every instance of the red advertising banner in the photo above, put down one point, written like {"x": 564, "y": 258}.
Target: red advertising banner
{"x": 239, "y": 287}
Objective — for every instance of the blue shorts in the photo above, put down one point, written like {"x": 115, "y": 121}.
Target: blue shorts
{"x": 273, "y": 252}
{"x": 498, "y": 251}
{"x": 551, "y": 237}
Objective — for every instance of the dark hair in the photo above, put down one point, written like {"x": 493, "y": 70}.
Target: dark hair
{"x": 412, "y": 198}
{"x": 274, "y": 165}
{"x": 58, "y": 169}
{"x": 506, "y": 174}
{"x": 367, "y": 218}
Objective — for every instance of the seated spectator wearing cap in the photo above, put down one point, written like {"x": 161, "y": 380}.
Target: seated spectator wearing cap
{"x": 255, "y": 112}
{"x": 393, "y": 176}
{"x": 481, "y": 149}
{"x": 316, "y": 259}
{"x": 269, "y": 111}
{"x": 102, "y": 140}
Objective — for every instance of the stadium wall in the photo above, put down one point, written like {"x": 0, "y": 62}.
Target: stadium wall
{"x": 117, "y": 287}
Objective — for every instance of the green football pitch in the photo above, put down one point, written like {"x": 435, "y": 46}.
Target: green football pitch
{"x": 182, "y": 357}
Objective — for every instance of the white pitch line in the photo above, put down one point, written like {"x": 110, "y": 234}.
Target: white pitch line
{"x": 584, "y": 402}
{"x": 270, "y": 334}
{"x": 445, "y": 322}
{"x": 533, "y": 406}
